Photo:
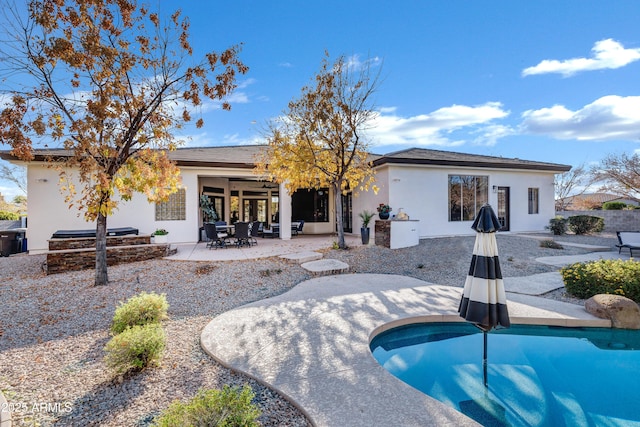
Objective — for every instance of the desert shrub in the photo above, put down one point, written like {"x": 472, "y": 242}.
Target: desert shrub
{"x": 140, "y": 309}
{"x": 586, "y": 224}
{"x": 551, "y": 244}
{"x": 9, "y": 216}
{"x": 136, "y": 348}
{"x": 605, "y": 276}
{"x": 558, "y": 225}
{"x": 613, "y": 206}
{"x": 229, "y": 407}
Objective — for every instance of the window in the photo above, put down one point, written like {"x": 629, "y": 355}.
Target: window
{"x": 533, "y": 201}
{"x": 174, "y": 209}
{"x": 310, "y": 205}
{"x": 467, "y": 194}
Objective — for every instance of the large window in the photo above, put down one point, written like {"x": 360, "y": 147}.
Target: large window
{"x": 310, "y": 205}
{"x": 174, "y": 209}
{"x": 533, "y": 201}
{"x": 467, "y": 194}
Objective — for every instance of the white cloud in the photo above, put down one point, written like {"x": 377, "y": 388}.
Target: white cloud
{"x": 438, "y": 128}
{"x": 606, "y": 54}
{"x": 285, "y": 64}
{"x": 354, "y": 63}
{"x": 608, "y": 118}
{"x": 204, "y": 139}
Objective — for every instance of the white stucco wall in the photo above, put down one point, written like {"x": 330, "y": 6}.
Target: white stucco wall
{"x": 422, "y": 193}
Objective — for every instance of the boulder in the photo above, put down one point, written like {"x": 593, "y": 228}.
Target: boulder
{"x": 623, "y": 312}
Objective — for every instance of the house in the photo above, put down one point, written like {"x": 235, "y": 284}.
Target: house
{"x": 441, "y": 189}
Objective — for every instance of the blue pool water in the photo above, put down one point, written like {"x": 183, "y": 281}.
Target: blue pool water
{"x": 536, "y": 375}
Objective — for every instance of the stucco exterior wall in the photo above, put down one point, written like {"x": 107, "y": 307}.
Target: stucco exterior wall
{"x": 422, "y": 193}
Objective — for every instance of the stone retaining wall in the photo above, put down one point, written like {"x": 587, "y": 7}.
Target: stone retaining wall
{"x": 90, "y": 242}
{"x": 383, "y": 233}
{"x": 624, "y": 220}
{"x": 80, "y": 259}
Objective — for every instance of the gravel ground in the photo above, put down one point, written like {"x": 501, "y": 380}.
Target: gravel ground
{"x": 53, "y": 328}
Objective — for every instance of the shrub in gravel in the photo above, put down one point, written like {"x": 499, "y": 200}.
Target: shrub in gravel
{"x": 136, "y": 348}
{"x": 229, "y": 407}
{"x": 586, "y": 224}
{"x": 558, "y": 225}
{"x": 551, "y": 244}
{"x": 140, "y": 309}
{"x": 606, "y": 276}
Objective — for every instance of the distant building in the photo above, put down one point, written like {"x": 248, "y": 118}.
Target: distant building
{"x": 594, "y": 201}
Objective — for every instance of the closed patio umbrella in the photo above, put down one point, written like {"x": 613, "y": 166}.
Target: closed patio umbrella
{"x": 484, "y": 301}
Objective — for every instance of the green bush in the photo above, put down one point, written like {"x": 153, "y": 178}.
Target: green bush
{"x": 9, "y": 216}
{"x": 613, "y": 206}
{"x": 136, "y": 348}
{"x": 585, "y": 280}
{"x": 140, "y": 309}
{"x": 558, "y": 225}
{"x": 586, "y": 224}
{"x": 229, "y": 407}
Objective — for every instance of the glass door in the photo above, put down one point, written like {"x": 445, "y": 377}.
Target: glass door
{"x": 347, "y": 213}
{"x": 503, "y": 208}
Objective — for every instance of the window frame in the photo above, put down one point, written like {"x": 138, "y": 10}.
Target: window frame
{"x": 475, "y": 187}
{"x": 533, "y": 199}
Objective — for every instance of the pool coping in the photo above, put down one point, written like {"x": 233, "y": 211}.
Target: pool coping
{"x": 311, "y": 344}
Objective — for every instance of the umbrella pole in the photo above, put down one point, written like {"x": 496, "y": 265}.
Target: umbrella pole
{"x": 484, "y": 358}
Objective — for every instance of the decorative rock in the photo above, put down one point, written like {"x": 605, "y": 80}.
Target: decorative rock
{"x": 325, "y": 267}
{"x": 302, "y": 257}
{"x": 623, "y": 312}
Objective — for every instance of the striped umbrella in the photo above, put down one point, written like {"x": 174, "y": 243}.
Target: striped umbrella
{"x": 484, "y": 301}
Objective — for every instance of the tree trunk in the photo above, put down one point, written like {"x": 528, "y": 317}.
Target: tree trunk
{"x": 339, "y": 220}
{"x": 101, "y": 251}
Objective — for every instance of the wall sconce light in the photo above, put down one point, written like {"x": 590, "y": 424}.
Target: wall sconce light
{"x": 42, "y": 180}
{"x": 495, "y": 188}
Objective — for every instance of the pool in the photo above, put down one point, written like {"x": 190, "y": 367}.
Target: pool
{"x": 536, "y": 375}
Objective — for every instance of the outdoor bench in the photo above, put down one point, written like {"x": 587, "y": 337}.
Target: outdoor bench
{"x": 629, "y": 240}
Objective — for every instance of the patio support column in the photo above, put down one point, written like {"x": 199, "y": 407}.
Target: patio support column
{"x": 285, "y": 213}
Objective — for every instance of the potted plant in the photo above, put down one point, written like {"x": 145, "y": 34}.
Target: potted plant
{"x": 160, "y": 236}
{"x": 365, "y": 216}
{"x": 209, "y": 213}
{"x": 383, "y": 211}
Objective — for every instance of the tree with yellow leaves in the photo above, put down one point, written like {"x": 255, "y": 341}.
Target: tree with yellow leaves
{"x": 320, "y": 141}
{"x": 108, "y": 82}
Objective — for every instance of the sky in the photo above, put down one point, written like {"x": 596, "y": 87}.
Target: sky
{"x": 545, "y": 80}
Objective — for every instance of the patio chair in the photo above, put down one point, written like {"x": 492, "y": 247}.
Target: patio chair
{"x": 215, "y": 239}
{"x": 297, "y": 228}
{"x": 242, "y": 234}
{"x": 256, "y": 227}
{"x": 273, "y": 231}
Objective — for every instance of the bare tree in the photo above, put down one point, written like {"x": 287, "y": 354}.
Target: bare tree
{"x": 16, "y": 175}
{"x": 619, "y": 174}
{"x": 571, "y": 183}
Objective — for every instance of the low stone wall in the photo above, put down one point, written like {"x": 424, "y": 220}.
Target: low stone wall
{"x": 90, "y": 242}
{"x": 624, "y": 220}
{"x": 383, "y": 233}
{"x": 80, "y": 259}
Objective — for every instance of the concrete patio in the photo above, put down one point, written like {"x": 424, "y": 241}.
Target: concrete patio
{"x": 266, "y": 247}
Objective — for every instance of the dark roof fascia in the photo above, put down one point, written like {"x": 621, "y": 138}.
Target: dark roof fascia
{"x": 215, "y": 164}
{"x": 466, "y": 163}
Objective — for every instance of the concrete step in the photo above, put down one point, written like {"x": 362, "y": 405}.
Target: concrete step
{"x": 302, "y": 257}
{"x": 325, "y": 267}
